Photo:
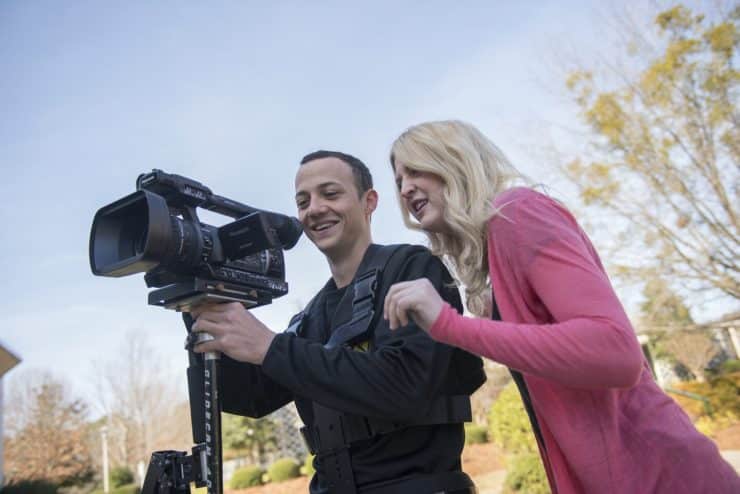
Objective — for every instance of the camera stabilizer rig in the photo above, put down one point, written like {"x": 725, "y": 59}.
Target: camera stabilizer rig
{"x": 156, "y": 230}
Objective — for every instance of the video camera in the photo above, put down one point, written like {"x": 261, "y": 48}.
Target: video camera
{"x": 156, "y": 230}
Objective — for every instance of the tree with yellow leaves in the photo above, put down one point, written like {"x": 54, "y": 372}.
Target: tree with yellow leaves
{"x": 666, "y": 153}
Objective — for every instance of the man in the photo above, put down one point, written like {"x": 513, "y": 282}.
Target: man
{"x": 384, "y": 410}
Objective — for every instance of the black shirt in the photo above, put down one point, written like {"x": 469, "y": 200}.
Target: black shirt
{"x": 398, "y": 376}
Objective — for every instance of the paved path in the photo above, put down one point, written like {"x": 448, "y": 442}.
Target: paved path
{"x": 490, "y": 483}
{"x": 732, "y": 456}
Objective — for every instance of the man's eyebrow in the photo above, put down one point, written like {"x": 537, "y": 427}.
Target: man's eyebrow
{"x": 322, "y": 185}
{"x": 326, "y": 184}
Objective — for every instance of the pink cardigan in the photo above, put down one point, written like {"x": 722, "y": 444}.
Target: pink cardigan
{"x": 606, "y": 425}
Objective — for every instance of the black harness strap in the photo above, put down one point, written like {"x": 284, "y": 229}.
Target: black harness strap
{"x": 363, "y": 301}
{"x": 330, "y": 435}
{"x": 353, "y": 428}
{"x": 363, "y": 308}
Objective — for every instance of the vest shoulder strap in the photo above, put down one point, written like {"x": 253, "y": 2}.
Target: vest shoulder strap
{"x": 365, "y": 297}
{"x": 364, "y": 300}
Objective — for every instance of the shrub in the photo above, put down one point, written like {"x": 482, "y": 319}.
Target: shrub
{"x": 126, "y": 489}
{"x": 29, "y": 487}
{"x": 730, "y": 366}
{"x": 723, "y": 393}
{"x": 307, "y": 468}
{"x": 246, "y": 477}
{"x": 476, "y": 434}
{"x": 121, "y": 476}
{"x": 526, "y": 475}
{"x": 508, "y": 423}
{"x": 283, "y": 469}
{"x": 710, "y": 426}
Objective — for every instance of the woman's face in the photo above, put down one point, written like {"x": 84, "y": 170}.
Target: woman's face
{"x": 422, "y": 196}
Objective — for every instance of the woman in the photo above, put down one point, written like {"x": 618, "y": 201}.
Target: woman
{"x": 602, "y": 424}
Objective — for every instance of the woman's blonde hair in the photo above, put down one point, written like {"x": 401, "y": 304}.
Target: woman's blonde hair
{"x": 474, "y": 172}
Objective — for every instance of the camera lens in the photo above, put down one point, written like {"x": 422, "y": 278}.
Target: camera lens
{"x": 130, "y": 235}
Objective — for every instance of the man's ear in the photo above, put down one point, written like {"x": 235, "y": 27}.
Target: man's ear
{"x": 371, "y": 201}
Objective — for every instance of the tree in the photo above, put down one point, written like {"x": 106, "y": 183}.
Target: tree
{"x": 693, "y": 349}
{"x": 673, "y": 333}
{"x": 144, "y": 410}
{"x": 666, "y": 149}
{"x": 255, "y": 436}
{"x": 46, "y": 432}
{"x": 663, "y": 308}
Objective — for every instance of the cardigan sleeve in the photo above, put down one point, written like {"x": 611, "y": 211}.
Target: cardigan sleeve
{"x": 588, "y": 341}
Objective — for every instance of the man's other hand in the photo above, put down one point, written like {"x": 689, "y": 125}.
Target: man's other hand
{"x": 235, "y": 331}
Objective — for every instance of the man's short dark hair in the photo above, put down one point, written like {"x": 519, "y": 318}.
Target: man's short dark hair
{"x": 363, "y": 178}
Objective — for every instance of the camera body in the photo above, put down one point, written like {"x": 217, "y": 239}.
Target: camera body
{"x": 156, "y": 230}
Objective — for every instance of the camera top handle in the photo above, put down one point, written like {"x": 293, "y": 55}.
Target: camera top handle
{"x": 184, "y": 193}
{"x": 181, "y": 192}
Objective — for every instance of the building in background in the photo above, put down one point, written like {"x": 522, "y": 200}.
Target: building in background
{"x": 669, "y": 367}
{"x": 7, "y": 361}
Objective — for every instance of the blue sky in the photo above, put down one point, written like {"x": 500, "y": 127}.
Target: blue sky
{"x": 232, "y": 94}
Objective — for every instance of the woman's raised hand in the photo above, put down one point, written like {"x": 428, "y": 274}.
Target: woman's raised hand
{"x": 415, "y": 300}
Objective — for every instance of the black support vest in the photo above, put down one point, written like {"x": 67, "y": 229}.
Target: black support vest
{"x": 332, "y": 431}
